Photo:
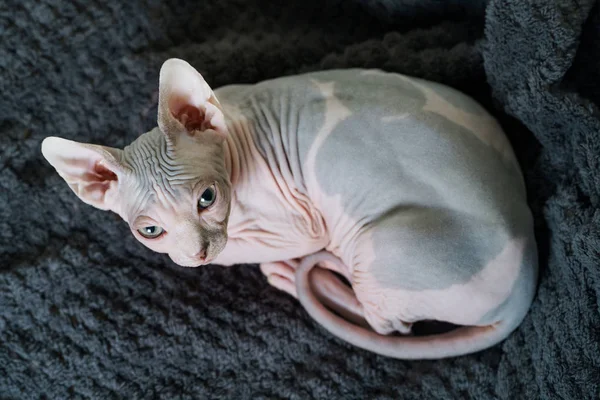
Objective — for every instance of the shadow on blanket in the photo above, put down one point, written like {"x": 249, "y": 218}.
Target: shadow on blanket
{"x": 86, "y": 312}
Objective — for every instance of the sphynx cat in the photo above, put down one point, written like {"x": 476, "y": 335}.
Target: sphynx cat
{"x": 407, "y": 189}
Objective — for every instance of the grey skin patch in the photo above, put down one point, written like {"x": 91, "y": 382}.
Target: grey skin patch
{"x": 468, "y": 200}
{"x": 431, "y": 248}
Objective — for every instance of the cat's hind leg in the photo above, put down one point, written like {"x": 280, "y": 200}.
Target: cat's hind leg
{"x": 431, "y": 265}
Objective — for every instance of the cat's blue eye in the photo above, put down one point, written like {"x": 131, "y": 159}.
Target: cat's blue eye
{"x": 151, "y": 232}
{"x": 207, "y": 198}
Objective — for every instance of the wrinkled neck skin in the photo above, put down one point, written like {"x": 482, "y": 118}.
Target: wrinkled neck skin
{"x": 236, "y": 152}
{"x": 269, "y": 219}
{"x": 241, "y": 159}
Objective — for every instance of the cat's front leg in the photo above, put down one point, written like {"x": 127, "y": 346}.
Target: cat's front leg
{"x": 327, "y": 286}
{"x": 280, "y": 274}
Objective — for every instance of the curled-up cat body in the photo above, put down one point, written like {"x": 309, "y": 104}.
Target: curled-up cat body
{"x": 406, "y": 188}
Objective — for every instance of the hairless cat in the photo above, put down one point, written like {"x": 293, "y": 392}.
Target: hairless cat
{"x": 406, "y": 188}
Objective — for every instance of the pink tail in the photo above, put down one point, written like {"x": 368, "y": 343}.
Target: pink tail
{"x": 460, "y": 341}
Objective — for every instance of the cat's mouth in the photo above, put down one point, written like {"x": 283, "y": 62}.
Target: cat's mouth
{"x": 194, "y": 262}
{"x": 209, "y": 252}
{"x": 203, "y": 261}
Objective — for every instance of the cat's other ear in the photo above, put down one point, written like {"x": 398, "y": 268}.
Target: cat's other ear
{"x": 186, "y": 104}
{"x": 91, "y": 171}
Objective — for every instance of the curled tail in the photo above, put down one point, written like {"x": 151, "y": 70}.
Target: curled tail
{"x": 460, "y": 341}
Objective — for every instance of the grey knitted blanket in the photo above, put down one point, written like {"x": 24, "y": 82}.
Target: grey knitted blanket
{"x": 87, "y": 313}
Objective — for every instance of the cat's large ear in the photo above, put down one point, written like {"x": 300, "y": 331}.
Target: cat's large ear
{"x": 186, "y": 104}
{"x": 91, "y": 171}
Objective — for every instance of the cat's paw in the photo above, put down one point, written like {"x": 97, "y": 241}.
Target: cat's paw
{"x": 281, "y": 274}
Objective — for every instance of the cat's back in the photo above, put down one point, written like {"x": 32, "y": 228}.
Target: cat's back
{"x": 407, "y": 140}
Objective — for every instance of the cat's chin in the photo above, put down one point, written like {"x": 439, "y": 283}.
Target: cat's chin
{"x": 193, "y": 263}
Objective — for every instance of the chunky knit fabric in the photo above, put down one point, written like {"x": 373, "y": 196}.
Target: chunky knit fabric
{"x": 86, "y": 312}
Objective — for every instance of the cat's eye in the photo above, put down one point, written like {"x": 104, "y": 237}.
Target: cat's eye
{"x": 207, "y": 198}
{"x": 151, "y": 232}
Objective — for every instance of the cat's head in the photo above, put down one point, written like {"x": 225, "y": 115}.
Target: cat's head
{"x": 171, "y": 185}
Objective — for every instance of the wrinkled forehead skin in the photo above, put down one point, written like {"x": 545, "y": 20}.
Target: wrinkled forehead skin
{"x": 164, "y": 182}
{"x": 164, "y": 174}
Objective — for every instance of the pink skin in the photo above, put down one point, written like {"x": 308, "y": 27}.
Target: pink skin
{"x": 259, "y": 216}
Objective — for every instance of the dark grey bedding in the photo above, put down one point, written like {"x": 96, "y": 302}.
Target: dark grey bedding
{"x": 87, "y": 312}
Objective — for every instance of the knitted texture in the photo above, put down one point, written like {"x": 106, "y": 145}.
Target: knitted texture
{"x": 86, "y": 312}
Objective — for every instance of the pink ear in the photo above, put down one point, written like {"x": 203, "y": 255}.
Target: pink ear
{"x": 186, "y": 103}
{"x": 195, "y": 118}
{"x": 91, "y": 171}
